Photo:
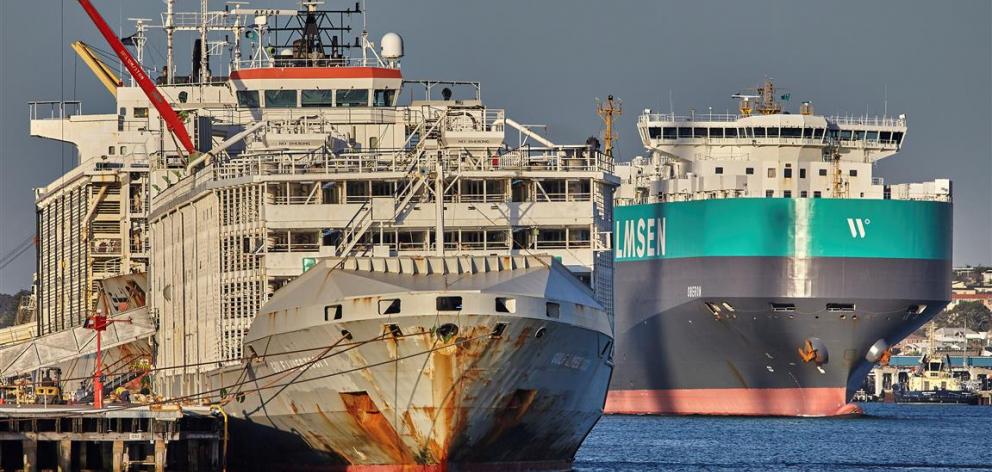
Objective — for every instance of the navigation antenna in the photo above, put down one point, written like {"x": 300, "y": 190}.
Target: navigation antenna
{"x": 607, "y": 111}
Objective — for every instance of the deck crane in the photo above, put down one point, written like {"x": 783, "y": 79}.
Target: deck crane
{"x": 172, "y": 120}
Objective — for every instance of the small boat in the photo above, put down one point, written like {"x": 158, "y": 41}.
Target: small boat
{"x": 933, "y": 382}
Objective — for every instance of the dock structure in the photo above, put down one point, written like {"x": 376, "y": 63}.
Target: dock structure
{"x": 70, "y": 438}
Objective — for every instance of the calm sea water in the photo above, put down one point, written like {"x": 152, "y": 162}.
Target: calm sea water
{"x": 889, "y": 437}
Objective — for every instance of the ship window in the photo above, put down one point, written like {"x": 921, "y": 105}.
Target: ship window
{"x": 669, "y": 133}
{"x": 783, "y": 307}
{"x": 818, "y": 133}
{"x": 685, "y": 132}
{"x": 141, "y": 112}
{"x": 749, "y": 171}
{"x": 836, "y": 307}
{"x": 802, "y": 173}
{"x": 872, "y": 135}
{"x": 112, "y": 150}
{"x": 332, "y": 312}
{"x": 353, "y": 98}
{"x": 769, "y": 193}
{"x": 699, "y": 132}
{"x": 845, "y": 135}
{"x": 807, "y": 133}
{"x": 506, "y": 305}
{"x": 654, "y": 132}
{"x": 389, "y": 306}
{"x": 248, "y": 98}
{"x": 772, "y": 132}
{"x": 716, "y": 132}
{"x": 552, "y": 310}
{"x": 823, "y": 172}
{"x": 792, "y": 132}
{"x": 897, "y": 137}
{"x": 280, "y": 98}
{"x": 787, "y": 193}
{"x": 719, "y": 170}
{"x": 448, "y": 303}
{"x": 730, "y": 132}
{"x": 803, "y": 194}
{"x": 816, "y": 194}
{"x": 885, "y": 136}
{"x": 383, "y": 98}
{"x": 854, "y": 173}
{"x": 859, "y": 135}
{"x": 771, "y": 172}
{"x": 317, "y": 98}
{"x": 787, "y": 173}
{"x": 758, "y": 132}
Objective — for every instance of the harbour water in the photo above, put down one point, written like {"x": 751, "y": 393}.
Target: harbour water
{"x": 888, "y": 437}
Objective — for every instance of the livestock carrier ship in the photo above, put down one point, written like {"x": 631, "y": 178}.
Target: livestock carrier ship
{"x": 761, "y": 269}
{"x": 362, "y": 270}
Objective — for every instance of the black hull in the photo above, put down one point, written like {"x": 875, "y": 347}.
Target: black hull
{"x": 675, "y": 355}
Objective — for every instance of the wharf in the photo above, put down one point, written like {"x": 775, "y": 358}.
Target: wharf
{"x": 79, "y": 437}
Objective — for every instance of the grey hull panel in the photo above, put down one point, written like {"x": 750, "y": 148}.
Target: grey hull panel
{"x": 667, "y": 340}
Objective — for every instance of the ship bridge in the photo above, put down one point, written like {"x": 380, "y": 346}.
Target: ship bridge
{"x": 698, "y": 136}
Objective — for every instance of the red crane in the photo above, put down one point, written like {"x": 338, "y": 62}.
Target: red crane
{"x": 172, "y": 120}
{"x": 99, "y": 323}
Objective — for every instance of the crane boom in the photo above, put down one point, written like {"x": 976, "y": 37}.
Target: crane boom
{"x": 99, "y": 68}
{"x": 172, "y": 120}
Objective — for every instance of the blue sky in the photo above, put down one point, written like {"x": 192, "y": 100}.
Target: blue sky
{"x": 547, "y": 61}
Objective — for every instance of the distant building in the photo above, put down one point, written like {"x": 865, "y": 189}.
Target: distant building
{"x": 958, "y": 296}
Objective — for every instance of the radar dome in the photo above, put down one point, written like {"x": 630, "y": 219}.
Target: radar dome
{"x": 392, "y": 46}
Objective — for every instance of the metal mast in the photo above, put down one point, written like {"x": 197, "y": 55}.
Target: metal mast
{"x": 607, "y": 111}
{"x": 169, "y": 32}
{"x": 204, "y": 8}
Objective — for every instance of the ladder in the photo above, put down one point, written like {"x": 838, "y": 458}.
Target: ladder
{"x": 426, "y": 136}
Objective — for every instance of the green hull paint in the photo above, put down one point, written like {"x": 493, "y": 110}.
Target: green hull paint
{"x": 784, "y": 227}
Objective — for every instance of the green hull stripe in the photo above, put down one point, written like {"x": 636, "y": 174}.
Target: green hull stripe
{"x": 784, "y": 227}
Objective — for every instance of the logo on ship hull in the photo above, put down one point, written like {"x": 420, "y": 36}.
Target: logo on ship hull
{"x": 857, "y": 227}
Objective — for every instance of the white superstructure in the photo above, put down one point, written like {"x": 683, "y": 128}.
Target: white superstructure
{"x": 766, "y": 152}
{"x": 310, "y": 146}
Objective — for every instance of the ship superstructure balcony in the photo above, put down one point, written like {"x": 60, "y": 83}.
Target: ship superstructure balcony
{"x": 705, "y": 135}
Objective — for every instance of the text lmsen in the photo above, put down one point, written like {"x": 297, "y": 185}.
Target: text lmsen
{"x": 640, "y": 237}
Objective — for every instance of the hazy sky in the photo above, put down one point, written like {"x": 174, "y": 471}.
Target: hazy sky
{"x": 546, "y": 62}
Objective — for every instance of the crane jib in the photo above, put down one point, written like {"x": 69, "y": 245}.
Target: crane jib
{"x": 172, "y": 120}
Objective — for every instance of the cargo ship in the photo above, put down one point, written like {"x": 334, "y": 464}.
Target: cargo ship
{"x": 362, "y": 270}
{"x": 761, "y": 269}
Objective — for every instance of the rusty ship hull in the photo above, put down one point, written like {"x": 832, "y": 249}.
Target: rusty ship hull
{"x": 426, "y": 390}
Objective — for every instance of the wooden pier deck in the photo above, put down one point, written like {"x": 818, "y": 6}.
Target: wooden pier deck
{"x": 79, "y": 438}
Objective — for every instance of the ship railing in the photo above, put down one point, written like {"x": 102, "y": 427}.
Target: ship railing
{"x": 294, "y": 247}
{"x": 106, "y": 246}
{"x": 866, "y": 120}
{"x": 282, "y": 162}
{"x": 863, "y": 120}
{"x": 54, "y": 109}
{"x": 275, "y": 61}
{"x": 672, "y": 117}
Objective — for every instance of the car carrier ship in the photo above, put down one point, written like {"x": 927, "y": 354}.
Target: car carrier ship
{"x": 362, "y": 270}
{"x": 761, "y": 269}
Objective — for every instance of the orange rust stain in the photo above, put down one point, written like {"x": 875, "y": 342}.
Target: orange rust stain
{"x": 292, "y": 407}
{"x": 522, "y": 338}
{"x": 378, "y": 430}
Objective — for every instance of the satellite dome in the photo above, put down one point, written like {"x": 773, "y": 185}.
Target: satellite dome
{"x": 392, "y": 46}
